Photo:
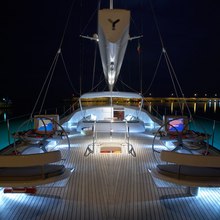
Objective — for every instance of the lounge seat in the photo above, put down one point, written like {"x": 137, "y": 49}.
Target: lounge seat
{"x": 31, "y": 170}
{"x": 188, "y": 169}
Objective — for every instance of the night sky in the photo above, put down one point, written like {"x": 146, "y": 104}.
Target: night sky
{"x": 31, "y": 32}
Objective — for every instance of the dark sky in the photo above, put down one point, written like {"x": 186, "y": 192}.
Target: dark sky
{"x": 31, "y": 33}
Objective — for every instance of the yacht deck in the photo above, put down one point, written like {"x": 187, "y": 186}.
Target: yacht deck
{"x": 110, "y": 186}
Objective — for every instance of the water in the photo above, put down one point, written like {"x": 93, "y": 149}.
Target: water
{"x": 12, "y": 124}
{"x": 205, "y": 115}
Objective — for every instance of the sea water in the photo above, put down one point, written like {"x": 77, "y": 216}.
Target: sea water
{"x": 9, "y": 126}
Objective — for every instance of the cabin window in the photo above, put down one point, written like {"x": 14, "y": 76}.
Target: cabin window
{"x": 119, "y": 114}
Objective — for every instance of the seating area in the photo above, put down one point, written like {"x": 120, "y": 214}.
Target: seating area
{"x": 191, "y": 170}
{"x": 44, "y": 127}
{"x": 31, "y": 169}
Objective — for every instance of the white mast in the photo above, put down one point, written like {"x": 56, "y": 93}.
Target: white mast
{"x": 113, "y": 32}
{"x": 111, "y": 4}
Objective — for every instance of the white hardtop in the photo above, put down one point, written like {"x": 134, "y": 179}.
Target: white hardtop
{"x": 113, "y": 94}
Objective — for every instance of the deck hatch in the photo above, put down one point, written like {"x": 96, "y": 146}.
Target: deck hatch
{"x": 111, "y": 149}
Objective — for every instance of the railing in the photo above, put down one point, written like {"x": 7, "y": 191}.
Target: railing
{"x": 91, "y": 147}
{"x": 127, "y": 139}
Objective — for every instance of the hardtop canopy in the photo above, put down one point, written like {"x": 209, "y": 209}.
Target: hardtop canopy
{"x": 106, "y": 94}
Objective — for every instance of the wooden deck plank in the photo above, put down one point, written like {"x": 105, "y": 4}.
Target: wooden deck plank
{"x": 110, "y": 186}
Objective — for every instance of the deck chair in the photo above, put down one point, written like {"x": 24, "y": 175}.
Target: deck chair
{"x": 189, "y": 170}
{"x": 31, "y": 169}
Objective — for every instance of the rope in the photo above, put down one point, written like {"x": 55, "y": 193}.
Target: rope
{"x": 129, "y": 87}
{"x": 169, "y": 70}
{"x": 181, "y": 91}
{"x": 140, "y": 69}
{"x": 38, "y": 98}
{"x": 45, "y": 94}
{"x": 52, "y": 68}
{"x": 68, "y": 110}
{"x": 67, "y": 22}
{"x": 135, "y": 25}
{"x": 169, "y": 65}
{"x": 155, "y": 73}
{"x": 157, "y": 25}
{"x": 68, "y": 74}
{"x": 82, "y": 53}
{"x": 90, "y": 20}
{"x": 96, "y": 85}
{"x": 94, "y": 65}
{"x": 172, "y": 73}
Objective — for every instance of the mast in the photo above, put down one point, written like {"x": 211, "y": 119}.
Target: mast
{"x": 113, "y": 32}
{"x": 111, "y": 4}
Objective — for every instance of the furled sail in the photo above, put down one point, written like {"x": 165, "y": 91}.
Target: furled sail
{"x": 113, "y": 32}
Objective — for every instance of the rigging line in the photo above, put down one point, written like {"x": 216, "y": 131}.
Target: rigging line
{"x": 48, "y": 74}
{"x": 181, "y": 91}
{"x": 80, "y": 50}
{"x": 68, "y": 74}
{"x": 68, "y": 110}
{"x": 67, "y": 22}
{"x": 94, "y": 65}
{"x": 170, "y": 64}
{"x": 170, "y": 72}
{"x": 172, "y": 79}
{"x": 55, "y": 59}
{"x": 140, "y": 30}
{"x": 50, "y": 80}
{"x": 154, "y": 109}
{"x": 116, "y": 88}
{"x": 155, "y": 73}
{"x": 120, "y": 78}
{"x": 81, "y": 65}
{"x": 142, "y": 17}
{"x": 129, "y": 87}
{"x": 166, "y": 57}
{"x": 135, "y": 25}
{"x": 101, "y": 78}
{"x": 140, "y": 70}
{"x": 141, "y": 51}
{"x": 90, "y": 19}
{"x": 96, "y": 85}
{"x": 104, "y": 88}
{"x": 156, "y": 23}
